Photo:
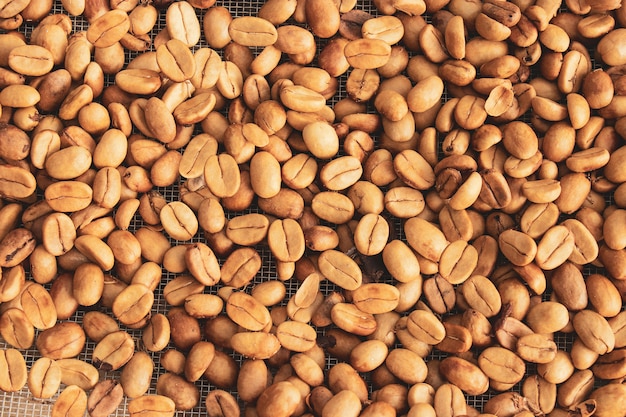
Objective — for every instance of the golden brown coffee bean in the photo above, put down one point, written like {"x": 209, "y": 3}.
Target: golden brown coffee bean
{"x": 425, "y": 326}
{"x": 78, "y": 372}
{"x": 133, "y": 304}
{"x": 501, "y": 365}
{"x": 457, "y": 261}
{"x": 156, "y": 336}
{"x": 31, "y": 60}
{"x": 13, "y": 370}
{"x": 414, "y": 170}
{"x": 425, "y": 238}
{"x": 246, "y": 311}
{"x": 255, "y": 345}
{"x": 113, "y": 351}
{"x": 376, "y": 298}
{"x": 569, "y": 286}
{"x": 179, "y": 221}
{"x": 576, "y": 388}
{"x": 105, "y": 398}
{"x": 296, "y": 336}
{"x": 108, "y": 29}
{"x": 44, "y": 378}
{"x": 340, "y": 269}
{"x": 554, "y": 248}
{"x": 222, "y": 174}
{"x": 16, "y": 328}
{"x": 252, "y": 31}
{"x": 136, "y": 376}
{"x": 63, "y": 340}
{"x": 536, "y": 348}
{"x": 220, "y": 402}
{"x": 279, "y": 399}
{"x": 72, "y": 401}
{"x": 465, "y": 375}
{"x": 458, "y": 339}
{"x": 97, "y": 325}
{"x": 594, "y": 331}
{"x": 557, "y": 313}
{"x": 178, "y": 289}
{"x": 449, "y": 400}
{"x": 349, "y": 318}
{"x": 16, "y": 182}
{"x": 367, "y": 53}
{"x": 159, "y": 405}
{"x": 68, "y": 196}
{"x": 176, "y": 60}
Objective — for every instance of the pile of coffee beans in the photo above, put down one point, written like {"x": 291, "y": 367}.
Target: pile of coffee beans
{"x": 314, "y": 208}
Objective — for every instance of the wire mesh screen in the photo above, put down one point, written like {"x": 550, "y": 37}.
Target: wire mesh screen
{"x": 23, "y": 404}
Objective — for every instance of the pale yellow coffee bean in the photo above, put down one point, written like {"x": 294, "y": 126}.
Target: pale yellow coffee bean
{"x": 182, "y": 23}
